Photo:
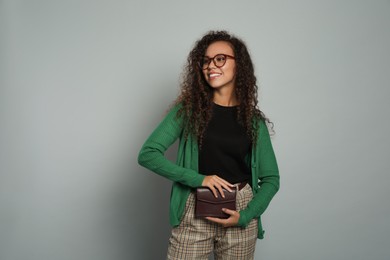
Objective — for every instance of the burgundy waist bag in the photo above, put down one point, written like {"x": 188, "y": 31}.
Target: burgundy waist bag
{"x": 207, "y": 205}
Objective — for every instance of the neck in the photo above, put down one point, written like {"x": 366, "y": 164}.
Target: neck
{"x": 225, "y": 98}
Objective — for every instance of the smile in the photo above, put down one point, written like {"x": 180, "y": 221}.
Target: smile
{"x": 214, "y": 75}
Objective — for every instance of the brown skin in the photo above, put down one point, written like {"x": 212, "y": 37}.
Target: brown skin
{"x": 222, "y": 80}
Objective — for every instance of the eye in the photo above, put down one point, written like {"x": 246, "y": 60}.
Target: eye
{"x": 220, "y": 58}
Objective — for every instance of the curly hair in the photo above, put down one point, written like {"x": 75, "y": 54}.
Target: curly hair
{"x": 196, "y": 95}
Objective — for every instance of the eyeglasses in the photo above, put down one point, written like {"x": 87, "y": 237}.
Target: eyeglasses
{"x": 219, "y": 60}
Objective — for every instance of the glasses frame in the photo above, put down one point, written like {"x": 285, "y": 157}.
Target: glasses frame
{"x": 215, "y": 63}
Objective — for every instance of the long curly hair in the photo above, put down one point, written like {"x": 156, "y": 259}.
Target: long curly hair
{"x": 196, "y": 95}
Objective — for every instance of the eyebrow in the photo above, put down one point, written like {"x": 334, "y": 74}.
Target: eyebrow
{"x": 219, "y": 54}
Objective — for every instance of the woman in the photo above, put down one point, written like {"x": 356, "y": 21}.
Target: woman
{"x": 224, "y": 144}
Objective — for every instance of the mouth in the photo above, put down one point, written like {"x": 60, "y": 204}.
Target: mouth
{"x": 214, "y": 75}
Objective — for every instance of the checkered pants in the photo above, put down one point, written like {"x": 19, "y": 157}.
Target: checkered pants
{"x": 196, "y": 238}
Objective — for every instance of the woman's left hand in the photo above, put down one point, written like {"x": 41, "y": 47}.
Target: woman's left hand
{"x": 229, "y": 222}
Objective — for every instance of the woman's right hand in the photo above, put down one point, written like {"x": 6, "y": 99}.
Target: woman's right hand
{"x": 216, "y": 183}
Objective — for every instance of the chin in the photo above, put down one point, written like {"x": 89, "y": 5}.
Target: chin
{"x": 214, "y": 86}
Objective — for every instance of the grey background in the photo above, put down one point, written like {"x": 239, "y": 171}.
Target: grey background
{"x": 83, "y": 83}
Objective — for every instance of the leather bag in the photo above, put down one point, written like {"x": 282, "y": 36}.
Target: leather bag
{"x": 207, "y": 205}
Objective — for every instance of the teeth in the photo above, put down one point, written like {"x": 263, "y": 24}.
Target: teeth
{"x": 214, "y": 75}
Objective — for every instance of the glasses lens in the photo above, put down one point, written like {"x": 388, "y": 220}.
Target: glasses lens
{"x": 204, "y": 62}
{"x": 220, "y": 60}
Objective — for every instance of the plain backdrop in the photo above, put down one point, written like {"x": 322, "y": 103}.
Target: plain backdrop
{"x": 84, "y": 83}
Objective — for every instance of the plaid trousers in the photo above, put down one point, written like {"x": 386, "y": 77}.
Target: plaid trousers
{"x": 197, "y": 238}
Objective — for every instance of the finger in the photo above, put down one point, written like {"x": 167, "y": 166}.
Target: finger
{"x": 217, "y": 183}
{"x": 216, "y": 220}
{"x": 226, "y": 182}
{"x": 227, "y": 187}
{"x": 229, "y": 211}
{"x": 221, "y": 191}
{"x": 214, "y": 191}
{"x": 222, "y": 222}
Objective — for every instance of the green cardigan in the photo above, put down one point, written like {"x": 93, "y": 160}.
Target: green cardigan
{"x": 185, "y": 175}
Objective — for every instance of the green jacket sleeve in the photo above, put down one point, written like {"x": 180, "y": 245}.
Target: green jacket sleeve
{"x": 152, "y": 152}
{"x": 266, "y": 168}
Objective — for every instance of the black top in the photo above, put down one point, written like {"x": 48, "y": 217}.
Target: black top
{"x": 225, "y": 146}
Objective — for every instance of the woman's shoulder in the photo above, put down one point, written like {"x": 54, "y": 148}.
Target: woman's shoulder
{"x": 259, "y": 122}
{"x": 175, "y": 107}
{"x": 173, "y": 112}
